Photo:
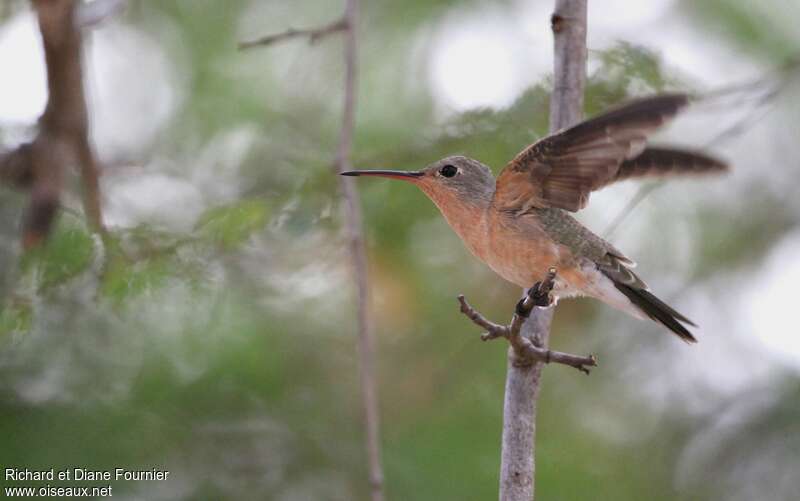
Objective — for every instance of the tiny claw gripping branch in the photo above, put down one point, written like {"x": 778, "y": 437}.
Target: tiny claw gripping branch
{"x": 540, "y": 292}
{"x": 538, "y": 295}
{"x": 526, "y": 352}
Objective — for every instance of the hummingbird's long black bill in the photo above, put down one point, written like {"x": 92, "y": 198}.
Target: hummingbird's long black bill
{"x": 407, "y": 175}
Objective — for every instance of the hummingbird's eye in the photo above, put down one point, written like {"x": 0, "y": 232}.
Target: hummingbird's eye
{"x": 448, "y": 170}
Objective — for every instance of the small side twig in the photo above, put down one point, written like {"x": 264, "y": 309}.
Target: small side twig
{"x": 526, "y": 352}
{"x": 314, "y": 35}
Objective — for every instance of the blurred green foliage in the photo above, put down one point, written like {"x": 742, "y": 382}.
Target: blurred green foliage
{"x": 66, "y": 254}
{"x": 232, "y": 225}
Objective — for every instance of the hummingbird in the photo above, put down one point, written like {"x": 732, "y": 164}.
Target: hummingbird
{"x": 520, "y": 223}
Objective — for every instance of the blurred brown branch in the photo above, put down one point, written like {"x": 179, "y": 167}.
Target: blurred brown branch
{"x": 358, "y": 251}
{"x": 15, "y": 167}
{"x": 353, "y": 227}
{"x": 525, "y": 352}
{"x": 63, "y": 136}
{"x": 314, "y": 34}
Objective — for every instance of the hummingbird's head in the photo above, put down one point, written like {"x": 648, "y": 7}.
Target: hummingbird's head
{"x": 451, "y": 179}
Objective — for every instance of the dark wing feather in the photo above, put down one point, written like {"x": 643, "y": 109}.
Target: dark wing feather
{"x": 665, "y": 162}
{"x": 563, "y": 168}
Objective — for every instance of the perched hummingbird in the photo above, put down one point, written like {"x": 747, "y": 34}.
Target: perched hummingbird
{"x": 520, "y": 224}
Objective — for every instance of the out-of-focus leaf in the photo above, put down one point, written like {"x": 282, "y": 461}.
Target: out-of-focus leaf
{"x": 16, "y": 316}
{"x": 231, "y": 225}
{"x": 125, "y": 280}
{"x": 67, "y": 252}
{"x": 625, "y": 69}
{"x": 635, "y": 62}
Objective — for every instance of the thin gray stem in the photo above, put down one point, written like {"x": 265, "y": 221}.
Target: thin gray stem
{"x": 517, "y": 466}
{"x": 358, "y": 251}
{"x": 353, "y": 222}
{"x": 635, "y": 200}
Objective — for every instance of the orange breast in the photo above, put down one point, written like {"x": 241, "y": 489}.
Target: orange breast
{"x": 521, "y": 252}
{"x": 516, "y": 248}
{"x": 467, "y": 220}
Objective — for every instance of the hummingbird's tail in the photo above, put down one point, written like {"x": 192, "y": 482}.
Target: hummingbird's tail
{"x": 616, "y": 271}
{"x": 657, "y": 310}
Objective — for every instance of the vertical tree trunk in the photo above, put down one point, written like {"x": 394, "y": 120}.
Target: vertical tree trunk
{"x": 518, "y": 465}
{"x": 569, "y": 64}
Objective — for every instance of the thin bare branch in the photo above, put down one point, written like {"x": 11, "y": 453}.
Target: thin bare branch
{"x": 358, "y": 251}
{"x": 353, "y": 226}
{"x": 772, "y": 82}
{"x": 314, "y": 35}
{"x": 635, "y": 200}
{"x": 493, "y": 330}
{"x": 525, "y": 352}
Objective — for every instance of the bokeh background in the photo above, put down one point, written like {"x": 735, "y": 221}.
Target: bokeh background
{"x": 215, "y": 337}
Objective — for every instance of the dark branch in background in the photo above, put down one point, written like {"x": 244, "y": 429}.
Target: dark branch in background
{"x": 314, "y": 35}
{"x": 15, "y": 167}
{"x": 635, "y": 200}
{"x": 358, "y": 250}
{"x": 758, "y": 94}
{"x": 63, "y": 137}
{"x": 525, "y": 352}
{"x": 353, "y": 227}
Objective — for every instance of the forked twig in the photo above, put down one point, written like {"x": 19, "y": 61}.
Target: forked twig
{"x": 314, "y": 35}
{"x": 526, "y": 351}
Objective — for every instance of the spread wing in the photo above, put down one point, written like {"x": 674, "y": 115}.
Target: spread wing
{"x": 563, "y": 168}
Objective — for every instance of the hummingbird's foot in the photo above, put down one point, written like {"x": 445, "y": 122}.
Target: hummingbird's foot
{"x": 524, "y": 307}
{"x": 525, "y": 351}
{"x": 540, "y": 293}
